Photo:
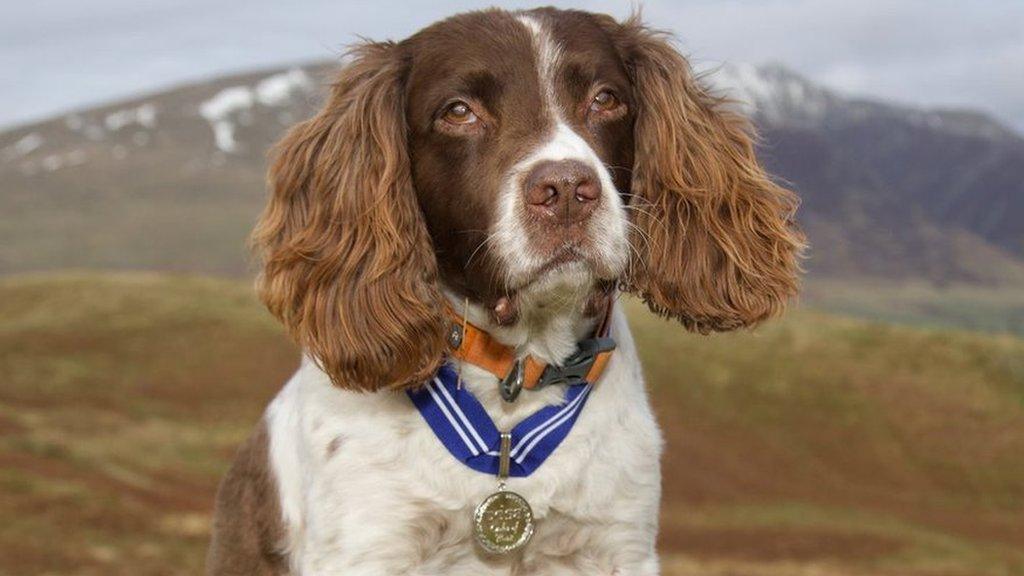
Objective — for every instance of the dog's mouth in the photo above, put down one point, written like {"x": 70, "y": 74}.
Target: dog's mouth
{"x": 580, "y": 262}
{"x": 570, "y": 269}
{"x": 567, "y": 255}
{"x": 570, "y": 260}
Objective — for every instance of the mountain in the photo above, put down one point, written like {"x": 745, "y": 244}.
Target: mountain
{"x": 890, "y": 191}
{"x": 173, "y": 180}
{"x": 170, "y": 181}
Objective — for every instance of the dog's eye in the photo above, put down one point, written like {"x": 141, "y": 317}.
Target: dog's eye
{"x": 460, "y": 114}
{"x": 604, "y": 101}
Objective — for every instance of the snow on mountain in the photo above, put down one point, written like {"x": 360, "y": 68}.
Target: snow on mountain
{"x": 241, "y": 115}
{"x": 24, "y": 145}
{"x": 144, "y": 115}
{"x": 232, "y": 105}
{"x": 279, "y": 89}
{"x": 778, "y": 96}
{"x": 773, "y": 93}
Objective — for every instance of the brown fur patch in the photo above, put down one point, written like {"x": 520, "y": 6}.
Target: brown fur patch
{"x": 248, "y": 530}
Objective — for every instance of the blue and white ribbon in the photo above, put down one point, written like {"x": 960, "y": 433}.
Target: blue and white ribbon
{"x": 463, "y": 426}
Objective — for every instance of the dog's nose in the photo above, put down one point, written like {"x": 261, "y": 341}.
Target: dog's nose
{"x": 563, "y": 191}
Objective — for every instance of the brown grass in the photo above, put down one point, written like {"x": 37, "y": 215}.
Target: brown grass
{"x": 816, "y": 446}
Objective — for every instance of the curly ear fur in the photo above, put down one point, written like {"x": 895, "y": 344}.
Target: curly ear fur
{"x": 717, "y": 245}
{"x": 348, "y": 265}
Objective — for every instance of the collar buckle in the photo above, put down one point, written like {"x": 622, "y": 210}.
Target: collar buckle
{"x": 512, "y": 384}
{"x": 576, "y": 367}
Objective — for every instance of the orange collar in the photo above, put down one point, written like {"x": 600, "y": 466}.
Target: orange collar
{"x": 477, "y": 347}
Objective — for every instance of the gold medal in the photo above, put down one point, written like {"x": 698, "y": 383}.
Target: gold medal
{"x": 503, "y": 522}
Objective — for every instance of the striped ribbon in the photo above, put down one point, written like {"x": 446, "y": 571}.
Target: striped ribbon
{"x": 463, "y": 426}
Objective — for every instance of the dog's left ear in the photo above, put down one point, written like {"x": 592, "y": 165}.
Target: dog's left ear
{"x": 716, "y": 244}
{"x": 348, "y": 265}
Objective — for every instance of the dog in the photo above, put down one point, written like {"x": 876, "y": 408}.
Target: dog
{"x": 446, "y": 240}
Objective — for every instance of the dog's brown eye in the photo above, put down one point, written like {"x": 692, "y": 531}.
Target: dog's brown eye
{"x": 459, "y": 113}
{"x": 604, "y": 101}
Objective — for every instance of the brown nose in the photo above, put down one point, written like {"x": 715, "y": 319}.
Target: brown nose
{"x": 564, "y": 191}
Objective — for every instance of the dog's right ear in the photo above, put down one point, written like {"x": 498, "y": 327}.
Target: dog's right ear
{"x": 717, "y": 247}
{"x": 348, "y": 265}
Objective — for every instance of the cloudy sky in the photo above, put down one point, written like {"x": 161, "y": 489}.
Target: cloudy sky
{"x": 61, "y": 54}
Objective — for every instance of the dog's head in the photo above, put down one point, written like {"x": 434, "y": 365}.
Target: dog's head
{"x": 493, "y": 150}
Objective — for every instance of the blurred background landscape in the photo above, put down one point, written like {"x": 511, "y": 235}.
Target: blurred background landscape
{"x": 878, "y": 429}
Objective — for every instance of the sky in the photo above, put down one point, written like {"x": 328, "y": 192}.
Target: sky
{"x": 57, "y": 55}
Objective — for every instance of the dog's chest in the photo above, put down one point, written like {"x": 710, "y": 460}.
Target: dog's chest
{"x": 380, "y": 494}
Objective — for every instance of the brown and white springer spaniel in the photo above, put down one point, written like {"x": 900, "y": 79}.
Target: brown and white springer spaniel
{"x": 521, "y": 168}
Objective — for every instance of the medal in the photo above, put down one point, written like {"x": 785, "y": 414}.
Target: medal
{"x": 503, "y": 522}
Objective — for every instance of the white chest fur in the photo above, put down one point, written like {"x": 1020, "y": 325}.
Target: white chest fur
{"x": 367, "y": 489}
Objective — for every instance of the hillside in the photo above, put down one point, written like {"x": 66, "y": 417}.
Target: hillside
{"x": 169, "y": 181}
{"x": 817, "y": 445}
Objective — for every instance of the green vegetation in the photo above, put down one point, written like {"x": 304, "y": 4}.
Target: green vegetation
{"x": 816, "y": 445}
{"x": 989, "y": 309}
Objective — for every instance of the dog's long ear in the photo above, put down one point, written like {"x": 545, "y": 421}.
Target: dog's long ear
{"x": 348, "y": 265}
{"x": 716, "y": 245}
